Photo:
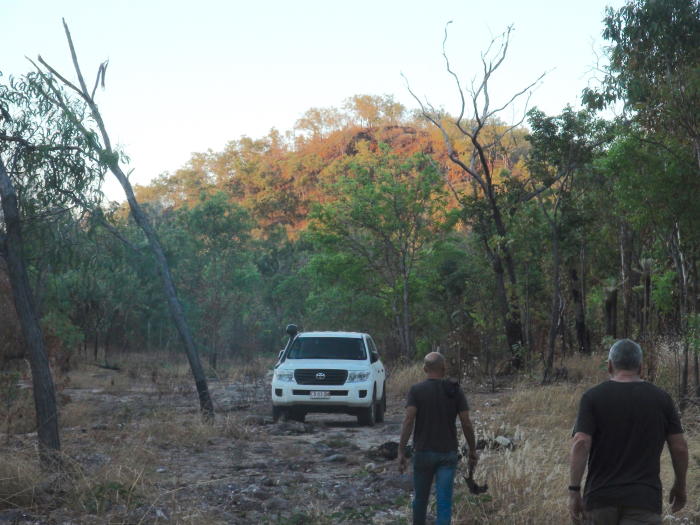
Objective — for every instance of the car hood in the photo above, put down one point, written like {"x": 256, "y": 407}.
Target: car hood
{"x": 326, "y": 364}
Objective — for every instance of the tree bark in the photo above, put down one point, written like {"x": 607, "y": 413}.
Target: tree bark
{"x": 406, "y": 316}
{"x": 683, "y": 285}
{"x": 626, "y": 277}
{"x": 511, "y": 325}
{"x": 611, "y": 312}
{"x": 111, "y": 159}
{"x": 42, "y": 381}
{"x": 556, "y": 308}
{"x": 174, "y": 304}
{"x": 582, "y": 334}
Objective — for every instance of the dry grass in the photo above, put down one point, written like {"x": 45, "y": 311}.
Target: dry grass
{"x": 528, "y": 484}
{"x": 403, "y": 377}
{"x": 19, "y": 478}
{"x": 246, "y": 370}
{"x": 112, "y": 470}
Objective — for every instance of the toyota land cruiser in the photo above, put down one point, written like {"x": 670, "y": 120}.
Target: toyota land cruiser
{"x": 329, "y": 372}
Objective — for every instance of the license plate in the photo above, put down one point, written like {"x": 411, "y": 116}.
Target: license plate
{"x": 320, "y": 394}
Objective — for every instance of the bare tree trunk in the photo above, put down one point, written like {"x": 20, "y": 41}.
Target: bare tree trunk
{"x": 111, "y": 159}
{"x": 406, "y": 318}
{"x": 398, "y": 326}
{"x": 626, "y": 277}
{"x": 582, "y": 334}
{"x": 697, "y": 375}
{"x": 683, "y": 285}
{"x": 42, "y": 381}
{"x": 512, "y": 327}
{"x": 611, "y": 312}
{"x": 513, "y": 324}
{"x": 174, "y": 304}
{"x": 477, "y": 166}
{"x": 555, "y": 314}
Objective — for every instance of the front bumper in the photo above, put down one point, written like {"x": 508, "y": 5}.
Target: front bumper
{"x": 287, "y": 394}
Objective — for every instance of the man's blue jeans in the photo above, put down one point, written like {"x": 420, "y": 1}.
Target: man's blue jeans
{"x": 442, "y": 466}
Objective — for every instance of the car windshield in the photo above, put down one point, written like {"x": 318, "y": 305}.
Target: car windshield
{"x": 327, "y": 348}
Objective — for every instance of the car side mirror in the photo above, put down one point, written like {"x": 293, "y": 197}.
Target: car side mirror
{"x": 374, "y": 357}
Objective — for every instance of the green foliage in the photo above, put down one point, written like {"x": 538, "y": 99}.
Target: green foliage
{"x": 43, "y": 150}
{"x": 385, "y": 214}
{"x": 663, "y": 291}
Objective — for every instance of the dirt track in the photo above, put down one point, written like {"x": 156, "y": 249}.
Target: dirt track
{"x": 245, "y": 470}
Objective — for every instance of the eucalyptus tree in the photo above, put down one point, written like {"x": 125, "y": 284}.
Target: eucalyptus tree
{"x": 562, "y": 146}
{"x": 654, "y": 71}
{"x": 100, "y": 145}
{"x": 385, "y": 211}
{"x": 44, "y": 161}
{"x": 654, "y": 67}
{"x": 477, "y": 143}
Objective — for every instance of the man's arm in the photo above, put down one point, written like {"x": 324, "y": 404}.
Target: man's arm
{"x": 468, "y": 430}
{"x": 678, "y": 448}
{"x": 580, "y": 448}
{"x": 406, "y": 431}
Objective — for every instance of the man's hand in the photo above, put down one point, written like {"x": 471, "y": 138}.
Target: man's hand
{"x": 678, "y": 447}
{"x": 472, "y": 460}
{"x": 576, "y": 507}
{"x": 406, "y": 431}
{"x": 677, "y": 498}
{"x": 403, "y": 462}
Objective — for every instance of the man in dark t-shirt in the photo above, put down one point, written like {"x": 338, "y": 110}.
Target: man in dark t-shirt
{"x": 431, "y": 409}
{"x": 620, "y": 432}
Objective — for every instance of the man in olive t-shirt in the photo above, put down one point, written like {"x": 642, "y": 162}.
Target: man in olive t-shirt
{"x": 431, "y": 410}
{"x": 620, "y": 431}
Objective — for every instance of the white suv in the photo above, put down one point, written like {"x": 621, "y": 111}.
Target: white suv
{"x": 329, "y": 372}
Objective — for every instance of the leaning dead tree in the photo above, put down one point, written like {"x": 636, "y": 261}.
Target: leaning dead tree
{"x": 101, "y": 144}
{"x": 475, "y": 142}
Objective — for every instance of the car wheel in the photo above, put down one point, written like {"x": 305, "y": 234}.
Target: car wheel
{"x": 381, "y": 407}
{"x": 297, "y": 414}
{"x": 277, "y": 413}
{"x": 367, "y": 416}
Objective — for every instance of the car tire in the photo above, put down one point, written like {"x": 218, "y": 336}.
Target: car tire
{"x": 381, "y": 406}
{"x": 278, "y": 413}
{"x": 367, "y": 416}
{"x": 296, "y": 414}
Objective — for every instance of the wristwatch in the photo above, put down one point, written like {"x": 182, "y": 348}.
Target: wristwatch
{"x": 575, "y": 488}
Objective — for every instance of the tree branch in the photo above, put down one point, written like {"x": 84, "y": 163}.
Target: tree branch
{"x": 28, "y": 145}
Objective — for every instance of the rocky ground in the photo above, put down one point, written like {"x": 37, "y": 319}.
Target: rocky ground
{"x": 247, "y": 469}
{"x": 136, "y": 451}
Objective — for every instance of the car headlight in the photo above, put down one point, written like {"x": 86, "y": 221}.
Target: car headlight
{"x": 284, "y": 375}
{"x": 357, "y": 377}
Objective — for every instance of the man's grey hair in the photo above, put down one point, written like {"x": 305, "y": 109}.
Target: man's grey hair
{"x": 434, "y": 362}
{"x": 625, "y": 354}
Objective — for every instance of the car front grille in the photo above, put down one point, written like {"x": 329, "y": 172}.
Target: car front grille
{"x": 320, "y": 377}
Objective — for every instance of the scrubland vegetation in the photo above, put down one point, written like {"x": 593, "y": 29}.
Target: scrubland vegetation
{"x": 520, "y": 250}
{"x": 134, "y": 453}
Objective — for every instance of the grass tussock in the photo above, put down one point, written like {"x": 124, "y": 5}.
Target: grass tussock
{"x": 403, "y": 377}
{"x": 232, "y": 427}
{"x": 544, "y": 407}
{"x": 115, "y": 485}
{"x": 246, "y": 370}
{"x": 20, "y": 478}
{"x": 166, "y": 429}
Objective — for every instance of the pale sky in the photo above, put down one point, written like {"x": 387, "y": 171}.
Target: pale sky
{"x": 188, "y": 76}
